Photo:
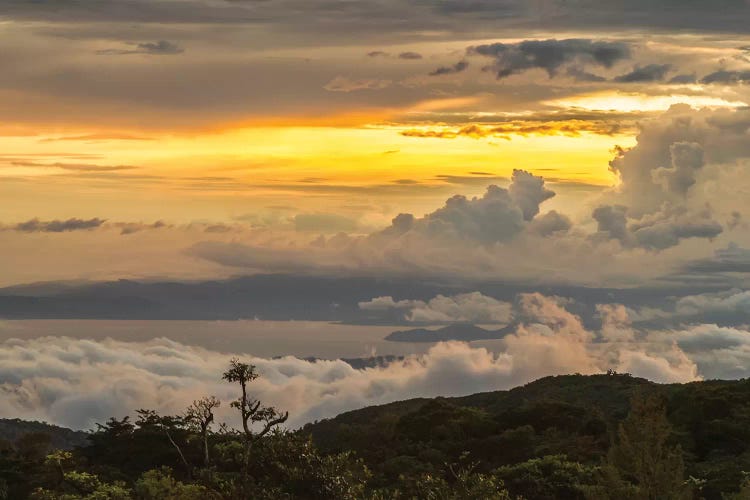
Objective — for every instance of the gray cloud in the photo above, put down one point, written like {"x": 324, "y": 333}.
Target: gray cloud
{"x": 658, "y": 231}
{"x": 134, "y": 227}
{"x": 732, "y": 259}
{"x": 528, "y": 191}
{"x": 673, "y": 151}
{"x": 731, "y": 302}
{"x": 346, "y": 84}
{"x": 551, "y": 55}
{"x": 410, "y": 55}
{"x": 684, "y": 79}
{"x": 667, "y": 230}
{"x": 471, "y": 307}
{"x": 392, "y": 19}
{"x": 727, "y": 77}
{"x": 127, "y": 11}
{"x": 581, "y": 75}
{"x": 612, "y": 221}
{"x": 58, "y": 226}
{"x": 550, "y": 223}
{"x": 648, "y": 73}
{"x": 160, "y": 48}
{"x": 497, "y": 216}
{"x": 449, "y": 70}
{"x": 687, "y": 159}
{"x": 671, "y": 178}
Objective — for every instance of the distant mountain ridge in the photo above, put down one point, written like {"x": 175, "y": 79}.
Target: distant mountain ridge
{"x": 274, "y": 297}
{"x": 465, "y": 332}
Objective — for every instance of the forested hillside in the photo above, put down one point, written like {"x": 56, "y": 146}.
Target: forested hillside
{"x": 11, "y": 430}
{"x": 570, "y": 420}
{"x": 570, "y": 437}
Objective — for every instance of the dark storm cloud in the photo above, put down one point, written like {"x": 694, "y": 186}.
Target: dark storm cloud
{"x": 649, "y": 73}
{"x": 550, "y": 55}
{"x": 58, "y": 226}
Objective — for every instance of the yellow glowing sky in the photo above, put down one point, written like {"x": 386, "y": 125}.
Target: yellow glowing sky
{"x": 229, "y": 120}
{"x": 219, "y": 129}
{"x": 296, "y": 165}
{"x": 230, "y": 171}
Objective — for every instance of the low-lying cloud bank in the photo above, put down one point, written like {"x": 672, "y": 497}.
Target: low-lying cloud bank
{"x": 77, "y": 382}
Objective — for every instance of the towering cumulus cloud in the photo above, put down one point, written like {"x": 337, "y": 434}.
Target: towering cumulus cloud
{"x": 671, "y": 178}
{"x": 497, "y": 216}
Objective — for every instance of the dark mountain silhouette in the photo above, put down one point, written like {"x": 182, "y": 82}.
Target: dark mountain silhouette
{"x": 465, "y": 332}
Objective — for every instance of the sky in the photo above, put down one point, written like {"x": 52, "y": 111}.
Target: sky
{"x": 541, "y": 144}
{"x": 212, "y": 138}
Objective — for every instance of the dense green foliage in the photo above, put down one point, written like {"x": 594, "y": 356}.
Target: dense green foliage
{"x": 550, "y": 438}
{"x": 572, "y": 437}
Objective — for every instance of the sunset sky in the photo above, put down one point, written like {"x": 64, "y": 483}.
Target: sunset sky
{"x": 573, "y": 173}
{"x": 209, "y": 138}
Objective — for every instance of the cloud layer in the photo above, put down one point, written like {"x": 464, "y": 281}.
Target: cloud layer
{"x": 462, "y": 308}
{"x": 679, "y": 199}
{"x": 551, "y": 55}
{"x": 78, "y": 382}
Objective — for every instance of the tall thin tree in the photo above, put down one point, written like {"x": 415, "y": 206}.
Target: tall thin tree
{"x": 251, "y": 410}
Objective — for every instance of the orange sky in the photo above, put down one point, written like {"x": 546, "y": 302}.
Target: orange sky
{"x": 239, "y": 113}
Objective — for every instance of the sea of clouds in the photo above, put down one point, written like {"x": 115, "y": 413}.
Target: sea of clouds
{"x": 78, "y": 382}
